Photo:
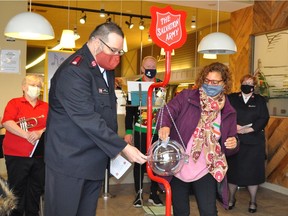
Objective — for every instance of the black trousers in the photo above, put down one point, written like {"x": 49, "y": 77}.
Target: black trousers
{"x": 26, "y": 177}
{"x": 139, "y": 170}
{"x": 70, "y": 196}
{"x": 204, "y": 190}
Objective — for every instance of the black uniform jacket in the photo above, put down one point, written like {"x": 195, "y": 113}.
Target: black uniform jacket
{"x": 82, "y": 122}
{"x": 255, "y": 111}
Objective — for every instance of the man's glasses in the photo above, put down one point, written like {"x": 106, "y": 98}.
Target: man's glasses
{"x": 212, "y": 82}
{"x": 113, "y": 50}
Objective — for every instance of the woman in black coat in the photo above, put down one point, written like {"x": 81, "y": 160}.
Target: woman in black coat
{"x": 247, "y": 168}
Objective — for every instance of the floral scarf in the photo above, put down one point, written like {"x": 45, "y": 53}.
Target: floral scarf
{"x": 204, "y": 138}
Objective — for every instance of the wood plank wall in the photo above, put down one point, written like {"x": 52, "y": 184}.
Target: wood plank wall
{"x": 264, "y": 16}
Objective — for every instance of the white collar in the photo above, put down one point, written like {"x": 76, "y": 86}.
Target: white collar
{"x": 102, "y": 70}
{"x": 245, "y": 97}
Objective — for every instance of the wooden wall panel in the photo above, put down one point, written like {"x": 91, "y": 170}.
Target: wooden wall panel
{"x": 269, "y": 16}
{"x": 264, "y": 16}
{"x": 241, "y": 28}
{"x": 277, "y": 151}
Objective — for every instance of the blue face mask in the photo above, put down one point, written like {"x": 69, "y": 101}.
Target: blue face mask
{"x": 212, "y": 90}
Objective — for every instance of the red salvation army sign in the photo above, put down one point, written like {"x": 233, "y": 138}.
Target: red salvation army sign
{"x": 167, "y": 29}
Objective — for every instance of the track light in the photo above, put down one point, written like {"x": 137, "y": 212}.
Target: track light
{"x": 130, "y": 24}
{"x": 76, "y": 35}
{"x": 83, "y": 18}
{"x": 108, "y": 19}
{"x": 102, "y": 13}
{"x": 193, "y": 22}
{"x": 149, "y": 38}
{"x": 141, "y": 24}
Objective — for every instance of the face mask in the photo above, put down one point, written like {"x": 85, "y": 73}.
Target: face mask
{"x": 246, "y": 89}
{"x": 108, "y": 62}
{"x": 33, "y": 91}
{"x": 212, "y": 90}
{"x": 151, "y": 73}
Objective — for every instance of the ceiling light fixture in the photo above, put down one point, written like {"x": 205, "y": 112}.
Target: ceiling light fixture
{"x": 217, "y": 42}
{"x": 67, "y": 38}
{"x": 125, "y": 46}
{"x": 102, "y": 13}
{"x": 109, "y": 19}
{"x": 42, "y": 57}
{"x": 206, "y": 55}
{"x": 29, "y": 26}
{"x": 76, "y": 35}
{"x": 149, "y": 38}
{"x": 193, "y": 22}
{"x": 209, "y": 56}
{"x": 83, "y": 18}
{"x": 130, "y": 24}
{"x": 162, "y": 55}
{"x": 141, "y": 24}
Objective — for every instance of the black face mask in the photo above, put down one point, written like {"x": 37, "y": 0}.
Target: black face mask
{"x": 246, "y": 89}
{"x": 151, "y": 73}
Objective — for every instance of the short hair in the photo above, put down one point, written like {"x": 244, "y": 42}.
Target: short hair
{"x": 149, "y": 57}
{"x": 37, "y": 78}
{"x": 249, "y": 76}
{"x": 216, "y": 67}
{"x": 104, "y": 29}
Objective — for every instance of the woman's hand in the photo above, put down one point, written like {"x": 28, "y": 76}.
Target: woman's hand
{"x": 231, "y": 143}
{"x": 164, "y": 133}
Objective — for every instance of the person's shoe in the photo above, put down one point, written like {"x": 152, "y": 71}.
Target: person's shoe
{"x": 155, "y": 200}
{"x": 231, "y": 204}
{"x": 252, "y": 207}
{"x": 138, "y": 202}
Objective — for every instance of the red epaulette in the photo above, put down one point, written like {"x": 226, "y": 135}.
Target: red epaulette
{"x": 77, "y": 60}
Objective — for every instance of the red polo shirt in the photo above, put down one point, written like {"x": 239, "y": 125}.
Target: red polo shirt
{"x": 18, "y": 108}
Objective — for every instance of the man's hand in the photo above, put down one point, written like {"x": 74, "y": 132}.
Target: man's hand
{"x": 134, "y": 155}
{"x": 129, "y": 139}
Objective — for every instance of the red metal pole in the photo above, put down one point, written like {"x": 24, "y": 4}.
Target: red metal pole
{"x": 149, "y": 130}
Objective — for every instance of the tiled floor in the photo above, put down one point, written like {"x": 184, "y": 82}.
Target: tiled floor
{"x": 270, "y": 203}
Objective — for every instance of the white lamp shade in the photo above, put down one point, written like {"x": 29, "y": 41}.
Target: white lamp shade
{"x": 125, "y": 47}
{"x": 209, "y": 56}
{"x": 163, "y": 53}
{"x": 67, "y": 39}
{"x": 29, "y": 26}
{"x": 217, "y": 43}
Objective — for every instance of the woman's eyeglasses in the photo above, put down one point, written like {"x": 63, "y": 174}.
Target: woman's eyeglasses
{"x": 113, "y": 50}
{"x": 212, "y": 82}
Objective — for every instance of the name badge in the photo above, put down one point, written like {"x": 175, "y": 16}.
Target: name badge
{"x": 251, "y": 105}
{"x": 103, "y": 91}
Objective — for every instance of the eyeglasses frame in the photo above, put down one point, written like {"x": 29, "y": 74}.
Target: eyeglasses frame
{"x": 118, "y": 52}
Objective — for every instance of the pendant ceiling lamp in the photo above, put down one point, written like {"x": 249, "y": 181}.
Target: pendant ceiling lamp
{"x": 125, "y": 45}
{"x": 67, "y": 40}
{"x": 29, "y": 26}
{"x": 207, "y": 55}
{"x": 217, "y": 42}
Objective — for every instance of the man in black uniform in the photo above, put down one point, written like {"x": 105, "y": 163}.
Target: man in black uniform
{"x": 136, "y": 118}
{"x": 82, "y": 125}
